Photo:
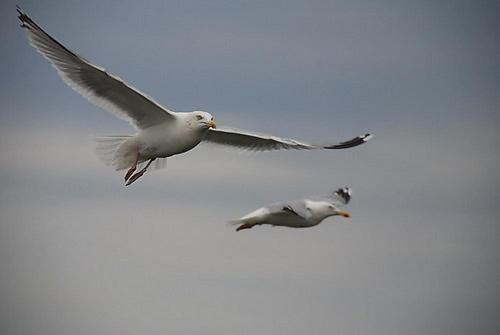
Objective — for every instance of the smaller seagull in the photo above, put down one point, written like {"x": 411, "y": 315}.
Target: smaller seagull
{"x": 298, "y": 214}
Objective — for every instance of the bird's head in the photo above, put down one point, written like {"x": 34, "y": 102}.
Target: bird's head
{"x": 331, "y": 210}
{"x": 203, "y": 120}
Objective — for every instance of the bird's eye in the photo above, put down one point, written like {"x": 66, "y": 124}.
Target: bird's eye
{"x": 199, "y": 117}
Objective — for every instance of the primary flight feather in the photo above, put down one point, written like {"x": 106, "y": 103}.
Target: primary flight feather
{"x": 161, "y": 132}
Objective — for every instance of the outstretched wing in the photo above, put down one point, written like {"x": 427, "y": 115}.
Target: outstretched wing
{"x": 257, "y": 142}
{"x": 94, "y": 83}
{"x": 342, "y": 196}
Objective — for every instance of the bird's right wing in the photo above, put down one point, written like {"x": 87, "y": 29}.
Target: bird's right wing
{"x": 258, "y": 142}
{"x": 342, "y": 196}
{"x": 94, "y": 83}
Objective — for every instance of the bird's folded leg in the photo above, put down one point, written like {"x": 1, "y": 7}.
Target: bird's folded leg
{"x": 135, "y": 177}
{"x": 132, "y": 169}
{"x": 245, "y": 226}
{"x": 129, "y": 172}
{"x": 139, "y": 174}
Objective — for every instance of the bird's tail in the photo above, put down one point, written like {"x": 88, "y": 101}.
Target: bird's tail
{"x": 251, "y": 219}
{"x": 120, "y": 153}
{"x": 113, "y": 151}
{"x": 236, "y": 222}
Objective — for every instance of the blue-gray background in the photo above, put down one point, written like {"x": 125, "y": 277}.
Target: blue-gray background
{"x": 82, "y": 254}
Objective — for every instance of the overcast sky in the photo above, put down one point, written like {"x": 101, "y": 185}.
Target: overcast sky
{"x": 82, "y": 254}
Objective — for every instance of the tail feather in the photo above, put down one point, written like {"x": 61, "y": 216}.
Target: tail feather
{"x": 117, "y": 152}
{"x": 235, "y": 222}
{"x": 250, "y": 220}
{"x": 112, "y": 151}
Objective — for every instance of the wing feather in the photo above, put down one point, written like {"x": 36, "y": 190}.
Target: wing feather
{"x": 259, "y": 142}
{"x": 94, "y": 83}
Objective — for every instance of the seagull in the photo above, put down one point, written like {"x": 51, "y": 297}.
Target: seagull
{"x": 298, "y": 214}
{"x": 161, "y": 133}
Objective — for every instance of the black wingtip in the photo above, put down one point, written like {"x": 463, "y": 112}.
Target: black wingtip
{"x": 20, "y": 11}
{"x": 351, "y": 143}
{"x": 23, "y": 17}
{"x": 366, "y": 137}
{"x": 345, "y": 193}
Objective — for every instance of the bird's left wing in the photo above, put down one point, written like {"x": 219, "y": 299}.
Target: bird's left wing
{"x": 258, "y": 142}
{"x": 94, "y": 83}
{"x": 289, "y": 209}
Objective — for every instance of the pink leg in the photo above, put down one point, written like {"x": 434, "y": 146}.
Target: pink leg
{"x": 245, "y": 226}
{"x": 130, "y": 171}
{"x": 132, "y": 168}
{"x": 140, "y": 173}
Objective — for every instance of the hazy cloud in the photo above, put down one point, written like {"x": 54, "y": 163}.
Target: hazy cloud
{"x": 82, "y": 254}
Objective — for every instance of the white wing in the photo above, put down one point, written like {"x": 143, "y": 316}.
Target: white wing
{"x": 94, "y": 83}
{"x": 257, "y": 142}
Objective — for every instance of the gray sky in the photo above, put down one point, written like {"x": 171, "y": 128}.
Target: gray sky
{"x": 82, "y": 254}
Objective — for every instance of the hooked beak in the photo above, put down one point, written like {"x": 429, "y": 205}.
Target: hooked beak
{"x": 212, "y": 124}
{"x": 343, "y": 213}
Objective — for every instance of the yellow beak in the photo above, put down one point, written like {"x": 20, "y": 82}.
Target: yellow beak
{"x": 344, "y": 213}
{"x": 212, "y": 124}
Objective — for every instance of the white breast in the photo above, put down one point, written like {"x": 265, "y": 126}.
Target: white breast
{"x": 167, "y": 139}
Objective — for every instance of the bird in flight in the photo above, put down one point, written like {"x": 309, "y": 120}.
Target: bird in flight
{"x": 161, "y": 133}
{"x": 299, "y": 213}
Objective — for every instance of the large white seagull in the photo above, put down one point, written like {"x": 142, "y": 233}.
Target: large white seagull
{"x": 161, "y": 132}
